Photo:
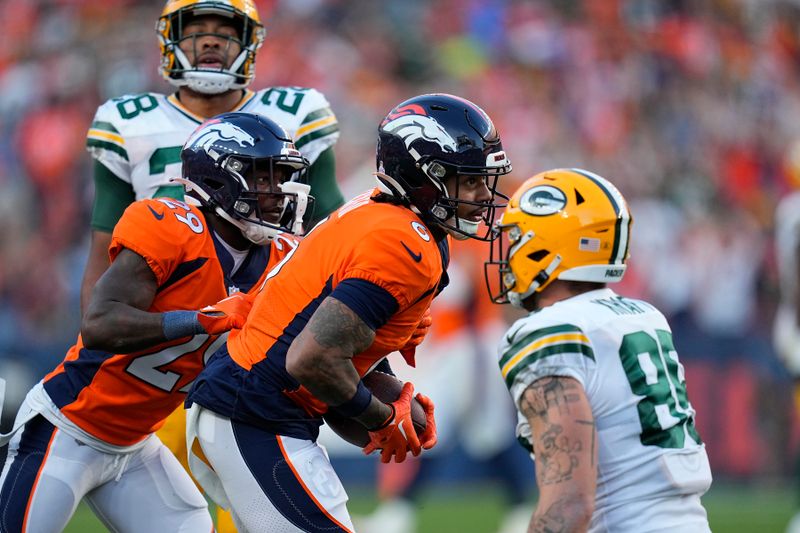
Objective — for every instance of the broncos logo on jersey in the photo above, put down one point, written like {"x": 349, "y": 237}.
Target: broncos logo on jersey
{"x": 413, "y": 127}
{"x": 214, "y": 132}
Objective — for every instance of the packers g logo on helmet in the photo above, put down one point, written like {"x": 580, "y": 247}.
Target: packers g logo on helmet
{"x": 567, "y": 224}
{"x": 175, "y": 65}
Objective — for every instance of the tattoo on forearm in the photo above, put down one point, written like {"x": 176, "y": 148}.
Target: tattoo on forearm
{"x": 557, "y": 456}
{"x": 549, "y": 393}
{"x": 339, "y": 326}
{"x": 552, "y": 520}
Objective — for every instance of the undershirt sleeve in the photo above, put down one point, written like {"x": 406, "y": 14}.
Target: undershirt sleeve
{"x": 373, "y": 304}
{"x": 324, "y": 189}
{"x": 111, "y": 196}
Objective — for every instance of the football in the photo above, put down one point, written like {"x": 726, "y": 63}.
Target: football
{"x": 387, "y": 389}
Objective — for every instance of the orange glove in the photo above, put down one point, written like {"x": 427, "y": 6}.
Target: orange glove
{"x": 417, "y": 337}
{"x": 428, "y": 438}
{"x": 397, "y": 435}
{"x": 226, "y": 314}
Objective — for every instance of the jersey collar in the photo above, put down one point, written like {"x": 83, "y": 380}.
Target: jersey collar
{"x": 172, "y": 99}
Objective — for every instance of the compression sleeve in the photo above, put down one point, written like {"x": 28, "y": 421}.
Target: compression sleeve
{"x": 111, "y": 196}
{"x": 324, "y": 189}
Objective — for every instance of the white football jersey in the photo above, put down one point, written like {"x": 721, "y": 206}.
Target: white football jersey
{"x": 787, "y": 241}
{"x": 139, "y": 137}
{"x": 652, "y": 465}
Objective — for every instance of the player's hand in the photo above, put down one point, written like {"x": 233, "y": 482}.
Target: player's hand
{"x": 417, "y": 337}
{"x": 428, "y": 439}
{"x": 397, "y": 436}
{"x": 226, "y": 314}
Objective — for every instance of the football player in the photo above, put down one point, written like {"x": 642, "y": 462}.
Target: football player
{"x": 786, "y": 328}
{"x": 208, "y": 52}
{"x": 595, "y": 376}
{"x": 352, "y": 292}
{"x": 86, "y": 430}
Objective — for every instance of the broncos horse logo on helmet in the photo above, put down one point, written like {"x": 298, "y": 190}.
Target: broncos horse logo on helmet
{"x": 410, "y": 128}
{"x": 429, "y": 139}
{"x": 216, "y": 132}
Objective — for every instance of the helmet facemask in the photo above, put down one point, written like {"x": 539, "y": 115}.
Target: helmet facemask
{"x": 246, "y": 169}
{"x": 178, "y": 69}
{"x": 566, "y": 224}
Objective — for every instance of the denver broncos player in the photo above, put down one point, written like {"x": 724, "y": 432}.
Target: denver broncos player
{"x": 352, "y": 292}
{"x": 86, "y": 430}
{"x": 208, "y": 52}
{"x": 600, "y": 391}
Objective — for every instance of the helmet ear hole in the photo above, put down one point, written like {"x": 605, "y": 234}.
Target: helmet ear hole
{"x": 578, "y": 197}
{"x": 538, "y": 255}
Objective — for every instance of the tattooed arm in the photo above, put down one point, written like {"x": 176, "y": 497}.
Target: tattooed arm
{"x": 320, "y": 358}
{"x": 564, "y": 436}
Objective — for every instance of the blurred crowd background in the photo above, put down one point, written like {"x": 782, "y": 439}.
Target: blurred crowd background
{"x": 690, "y": 106}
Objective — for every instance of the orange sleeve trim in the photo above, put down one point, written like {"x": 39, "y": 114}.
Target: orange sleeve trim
{"x": 305, "y": 488}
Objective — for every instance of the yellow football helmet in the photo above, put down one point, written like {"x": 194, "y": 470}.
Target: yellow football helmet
{"x": 567, "y": 224}
{"x": 176, "y": 67}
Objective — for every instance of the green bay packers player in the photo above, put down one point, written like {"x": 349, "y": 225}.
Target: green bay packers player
{"x": 208, "y": 52}
{"x": 600, "y": 391}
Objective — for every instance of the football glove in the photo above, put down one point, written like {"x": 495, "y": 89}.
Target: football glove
{"x": 428, "y": 439}
{"x": 226, "y": 314}
{"x": 215, "y": 319}
{"x": 397, "y": 435}
{"x": 409, "y": 350}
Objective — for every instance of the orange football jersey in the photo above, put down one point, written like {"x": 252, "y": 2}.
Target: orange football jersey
{"x": 122, "y": 398}
{"x": 382, "y": 244}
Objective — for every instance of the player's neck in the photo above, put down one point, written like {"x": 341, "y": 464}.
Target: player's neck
{"x": 209, "y": 105}
{"x": 561, "y": 290}
{"x": 228, "y": 232}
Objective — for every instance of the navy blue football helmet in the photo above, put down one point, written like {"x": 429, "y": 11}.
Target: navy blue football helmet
{"x": 429, "y": 139}
{"x": 246, "y": 168}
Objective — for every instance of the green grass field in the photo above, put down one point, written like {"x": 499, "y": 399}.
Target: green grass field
{"x": 731, "y": 509}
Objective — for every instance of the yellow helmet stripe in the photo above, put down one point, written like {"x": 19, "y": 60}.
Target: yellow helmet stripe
{"x": 622, "y": 228}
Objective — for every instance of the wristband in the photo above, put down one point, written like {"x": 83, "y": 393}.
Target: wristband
{"x": 177, "y": 324}
{"x": 355, "y": 405}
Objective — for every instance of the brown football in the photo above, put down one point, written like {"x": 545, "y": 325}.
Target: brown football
{"x": 387, "y": 389}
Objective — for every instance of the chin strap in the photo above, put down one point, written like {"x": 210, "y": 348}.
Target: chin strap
{"x": 253, "y": 231}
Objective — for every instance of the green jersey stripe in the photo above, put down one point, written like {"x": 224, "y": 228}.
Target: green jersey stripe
{"x": 316, "y": 134}
{"x": 318, "y": 114}
{"x": 105, "y": 145}
{"x": 102, "y": 125}
{"x": 553, "y": 349}
{"x": 534, "y": 336}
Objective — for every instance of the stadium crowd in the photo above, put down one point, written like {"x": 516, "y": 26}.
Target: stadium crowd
{"x": 689, "y": 106}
